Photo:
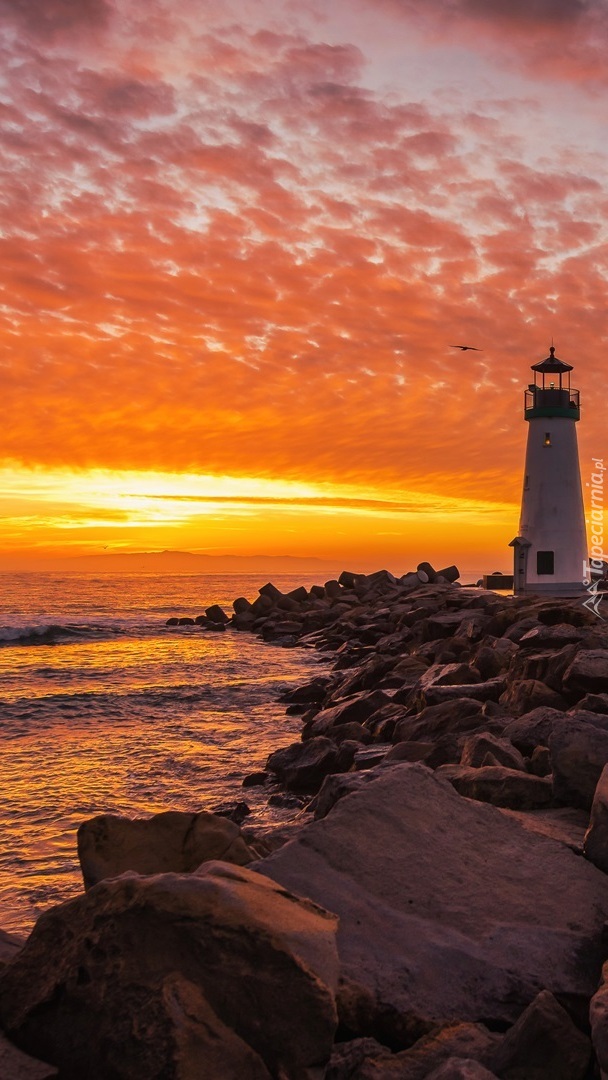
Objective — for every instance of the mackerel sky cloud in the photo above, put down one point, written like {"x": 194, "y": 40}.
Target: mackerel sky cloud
{"x": 239, "y": 239}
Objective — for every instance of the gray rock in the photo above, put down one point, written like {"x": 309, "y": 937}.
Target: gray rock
{"x": 534, "y": 728}
{"x": 357, "y": 708}
{"x": 303, "y": 766}
{"x": 487, "y": 749}
{"x": 9, "y": 947}
{"x": 500, "y": 786}
{"x": 447, "y": 907}
{"x": 459, "y": 715}
{"x": 470, "y": 1041}
{"x": 598, "y": 1016}
{"x": 595, "y": 845}
{"x": 579, "y": 752}
{"x": 490, "y": 690}
{"x": 448, "y": 675}
{"x": 588, "y": 673}
{"x": 566, "y": 824}
{"x": 217, "y": 973}
{"x": 217, "y": 614}
{"x": 543, "y": 1044}
{"x": 522, "y": 696}
{"x": 173, "y": 841}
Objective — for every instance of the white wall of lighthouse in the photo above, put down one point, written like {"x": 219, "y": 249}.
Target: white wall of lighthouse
{"x": 550, "y": 552}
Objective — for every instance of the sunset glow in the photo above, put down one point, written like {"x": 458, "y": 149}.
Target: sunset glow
{"x": 238, "y": 241}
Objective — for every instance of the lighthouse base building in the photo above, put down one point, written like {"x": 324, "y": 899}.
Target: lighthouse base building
{"x": 550, "y": 552}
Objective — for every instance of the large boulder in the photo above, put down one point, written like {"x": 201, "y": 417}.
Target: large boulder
{"x": 462, "y": 714}
{"x": 534, "y": 728}
{"x": 588, "y": 673}
{"x": 598, "y": 1016}
{"x": 500, "y": 786}
{"x": 595, "y": 844}
{"x": 366, "y": 1061}
{"x": 487, "y": 749}
{"x": 174, "y": 841}
{"x": 448, "y": 907}
{"x": 579, "y": 752}
{"x": 304, "y": 766}
{"x": 543, "y": 1044}
{"x": 218, "y": 973}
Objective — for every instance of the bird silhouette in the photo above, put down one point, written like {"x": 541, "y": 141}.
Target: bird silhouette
{"x": 465, "y": 347}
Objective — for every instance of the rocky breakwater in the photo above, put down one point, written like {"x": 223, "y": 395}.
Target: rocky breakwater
{"x": 439, "y": 911}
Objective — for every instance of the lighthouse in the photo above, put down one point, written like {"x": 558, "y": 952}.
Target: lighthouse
{"x": 550, "y": 553}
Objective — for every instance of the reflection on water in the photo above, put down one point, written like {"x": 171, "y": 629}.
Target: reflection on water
{"x": 137, "y": 720}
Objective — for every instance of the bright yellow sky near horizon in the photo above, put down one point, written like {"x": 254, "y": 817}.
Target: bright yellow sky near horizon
{"x": 238, "y": 244}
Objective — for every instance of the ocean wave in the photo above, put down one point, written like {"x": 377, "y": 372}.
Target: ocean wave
{"x": 53, "y": 633}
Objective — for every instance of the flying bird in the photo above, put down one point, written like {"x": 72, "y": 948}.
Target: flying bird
{"x": 465, "y": 347}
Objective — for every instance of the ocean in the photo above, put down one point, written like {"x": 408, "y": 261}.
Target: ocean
{"x": 105, "y": 709}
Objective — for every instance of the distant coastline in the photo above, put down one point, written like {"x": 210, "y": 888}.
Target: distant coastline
{"x": 169, "y": 562}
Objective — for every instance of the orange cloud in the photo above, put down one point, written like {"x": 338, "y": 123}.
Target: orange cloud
{"x": 254, "y": 262}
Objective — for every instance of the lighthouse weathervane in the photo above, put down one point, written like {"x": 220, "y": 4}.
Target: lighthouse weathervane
{"x": 550, "y": 552}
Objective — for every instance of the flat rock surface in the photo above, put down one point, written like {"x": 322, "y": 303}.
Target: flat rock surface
{"x": 449, "y": 909}
{"x": 218, "y": 974}
{"x": 566, "y": 824}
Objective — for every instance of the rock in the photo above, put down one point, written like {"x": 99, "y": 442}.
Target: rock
{"x": 369, "y": 756}
{"x": 534, "y": 728}
{"x": 579, "y": 752}
{"x": 241, "y": 606}
{"x": 173, "y": 621}
{"x": 406, "y": 864}
{"x": 348, "y": 1056}
{"x": 218, "y": 973}
{"x": 539, "y": 763}
{"x": 173, "y": 841}
{"x": 333, "y": 589}
{"x": 357, "y": 708}
{"x": 303, "y": 766}
{"x": 335, "y": 787}
{"x": 491, "y": 690}
{"x": 450, "y": 573}
{"x": 271, "y": 592}
{"x": 487, "y": 749}
{"x": 427, "y": 569}
{"x": 15, "y": 1065}
{"x": 598, "y": 1016}
{"x": 523, "y": 696}
{"x": 587, "y": 674}
{"x": 256, "y": 779}
{"x": 217, "y": 614}
{"x": 566, "y": 824}
{"x": 543, "y": 1044}
{"x": 458, "y": 1068}
{"x": 594, "y": 703}
{"x": 9, "y": 947}
{"x": 448, "y": 675}
{"x": 595, "y": 845}
{"x": 461, "y": 714}
{"x": 347, "y": 579}
{"x": 500, "y": 786}
{"x": 556, "y": 636}
{"x": 185, "y": 621}
{"x": 470, "y": 1041}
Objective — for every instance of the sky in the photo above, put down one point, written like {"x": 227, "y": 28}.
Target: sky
{"x": 238, "y": 241}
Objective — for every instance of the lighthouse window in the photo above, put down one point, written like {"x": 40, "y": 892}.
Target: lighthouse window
{"x": 545, "y": 561}
{"x": 547, "y": 440}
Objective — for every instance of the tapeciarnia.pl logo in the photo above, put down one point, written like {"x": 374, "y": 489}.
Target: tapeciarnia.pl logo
{"x": 594, "y": 571}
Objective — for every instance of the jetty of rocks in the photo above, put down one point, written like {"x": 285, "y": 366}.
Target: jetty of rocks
{"x": 438, "y": 909}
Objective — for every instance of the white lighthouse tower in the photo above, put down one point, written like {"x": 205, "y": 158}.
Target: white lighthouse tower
{"x": 550, "y": 553}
